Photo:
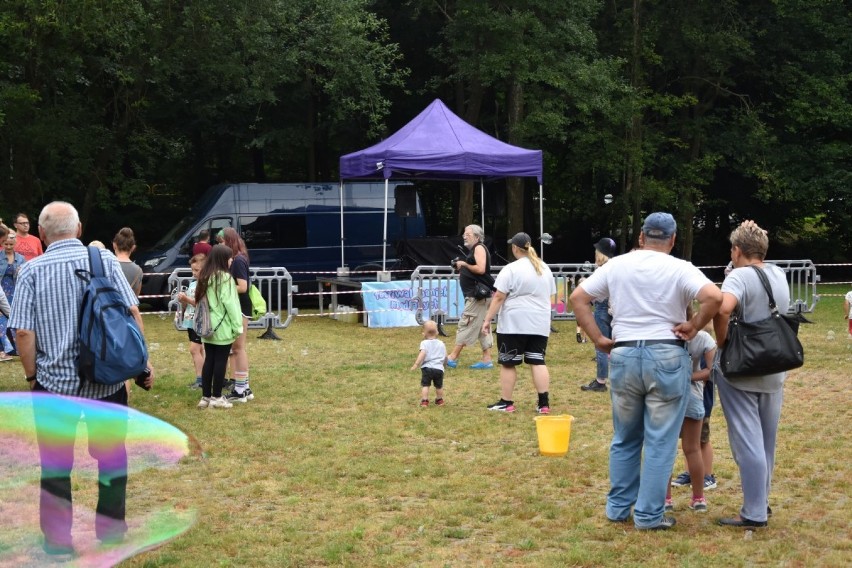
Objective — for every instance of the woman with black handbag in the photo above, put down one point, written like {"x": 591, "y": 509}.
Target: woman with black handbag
{"x": 752, "y": 404}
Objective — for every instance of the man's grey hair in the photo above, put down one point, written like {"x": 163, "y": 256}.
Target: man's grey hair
{"x": 59, "y": 219}
{"x": 478, "y": 233}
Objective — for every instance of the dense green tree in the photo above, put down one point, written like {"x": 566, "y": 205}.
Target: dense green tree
{"x": 114, "y": 103}
{"x": 740, "y": 106}
{"x": 523, "y": 72}
{"x": 716, "y": 110}
{"x": 75, "y": 77}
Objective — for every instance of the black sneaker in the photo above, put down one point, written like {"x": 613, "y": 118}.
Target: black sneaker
{"x": 665, "y": 524}
{"x": 244, "y": 396}
{"x": 594, "y": 386}
{"x": 502, "y": 406}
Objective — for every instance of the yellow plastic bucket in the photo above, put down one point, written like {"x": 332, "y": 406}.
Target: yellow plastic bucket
{"x": 554, "y": 433}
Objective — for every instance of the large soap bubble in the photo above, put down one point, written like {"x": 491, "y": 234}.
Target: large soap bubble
{"x": 42, "y": 435}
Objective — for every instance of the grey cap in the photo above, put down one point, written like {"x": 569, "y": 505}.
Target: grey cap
{"x": 659, "y": 225}
{"x": 521, "y": 240}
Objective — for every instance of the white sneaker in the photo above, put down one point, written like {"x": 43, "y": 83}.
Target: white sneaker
{"x": 204, "y": 402}
{"x": 220, "y": 402}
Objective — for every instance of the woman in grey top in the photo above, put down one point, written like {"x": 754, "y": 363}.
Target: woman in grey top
{"x": 752, "y": 405}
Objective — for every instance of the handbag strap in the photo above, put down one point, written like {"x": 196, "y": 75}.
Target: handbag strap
{"x": 773, "y": 309}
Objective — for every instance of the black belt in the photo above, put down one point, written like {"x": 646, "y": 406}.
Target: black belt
{"x": 647, "y": 342}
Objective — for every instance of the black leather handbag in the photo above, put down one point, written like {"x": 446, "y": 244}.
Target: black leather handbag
{"x": 762, "y": 347}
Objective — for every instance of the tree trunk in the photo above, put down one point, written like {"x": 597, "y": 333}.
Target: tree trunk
{"x": 258, "y": 164}
{"x": 310, "y": 132}
{"x": 688, "y": 206}
{"x": 633, "y": 165}
{"x": 514, "y": 185}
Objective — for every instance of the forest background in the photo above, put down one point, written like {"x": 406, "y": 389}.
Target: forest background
{"x": 716, "y": 110}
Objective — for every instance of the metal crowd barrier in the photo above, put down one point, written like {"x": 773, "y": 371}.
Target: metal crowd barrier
{"x": 275, "y": 285}
{"x": 802, "y": 278}
{"x": 426, "y": 280}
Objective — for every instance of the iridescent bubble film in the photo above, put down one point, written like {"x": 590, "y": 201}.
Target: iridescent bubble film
{"x": 46, "y": 433}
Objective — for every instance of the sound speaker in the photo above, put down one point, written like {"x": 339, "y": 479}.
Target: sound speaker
{"x": 405, "y": 200}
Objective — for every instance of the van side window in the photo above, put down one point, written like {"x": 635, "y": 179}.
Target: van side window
{"x": 274, "y": 231}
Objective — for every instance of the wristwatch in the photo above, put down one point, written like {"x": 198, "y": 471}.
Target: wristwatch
{"x": 31, "y": 379}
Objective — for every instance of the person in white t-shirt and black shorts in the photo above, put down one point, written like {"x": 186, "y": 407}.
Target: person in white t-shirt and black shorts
{"x": 523, "y": 292}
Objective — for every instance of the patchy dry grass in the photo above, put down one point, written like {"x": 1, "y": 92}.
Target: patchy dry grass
{"x": 334, "y": 464}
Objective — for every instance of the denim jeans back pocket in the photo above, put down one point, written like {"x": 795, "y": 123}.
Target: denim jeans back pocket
{"x": 620, "y": 369}
{"x": 669, "y": 372}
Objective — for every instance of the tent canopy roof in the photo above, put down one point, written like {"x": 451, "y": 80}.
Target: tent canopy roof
{"x": 437, "y": 144}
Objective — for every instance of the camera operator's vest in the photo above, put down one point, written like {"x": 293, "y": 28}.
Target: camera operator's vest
{"x": 467, "y": 281}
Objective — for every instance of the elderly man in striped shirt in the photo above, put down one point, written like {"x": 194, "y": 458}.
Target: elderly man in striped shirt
{"x": 45, "y": 313}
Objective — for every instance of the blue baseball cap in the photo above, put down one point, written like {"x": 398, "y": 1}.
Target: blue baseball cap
{"x": 659, "y": 225}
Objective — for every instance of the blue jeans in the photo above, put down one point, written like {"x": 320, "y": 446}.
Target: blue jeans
{"x": 649, "y": 389}
{"x": 604, "y": 322}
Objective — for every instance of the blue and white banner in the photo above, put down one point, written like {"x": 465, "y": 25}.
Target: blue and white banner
{"x": 394, "y": 304}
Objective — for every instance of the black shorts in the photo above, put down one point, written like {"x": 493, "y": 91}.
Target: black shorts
{"x": 430, "y": 376}
{"x": 516, "y": 348}
{"x": 245, "y": 305}
{"x": 193, "y": 337}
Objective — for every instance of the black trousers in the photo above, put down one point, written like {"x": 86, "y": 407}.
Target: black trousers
{"x": 213, "y": 371}
{"x": 56, "y": 427}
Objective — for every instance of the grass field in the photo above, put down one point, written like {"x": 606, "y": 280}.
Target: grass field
{"x": 334, "y": 463}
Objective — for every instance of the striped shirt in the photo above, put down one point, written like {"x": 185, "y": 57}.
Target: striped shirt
{"x": 47, "y": 301}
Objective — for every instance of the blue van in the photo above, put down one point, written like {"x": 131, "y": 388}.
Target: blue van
{"x": 294, "y": 225}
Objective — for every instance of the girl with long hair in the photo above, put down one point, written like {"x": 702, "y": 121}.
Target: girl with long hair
{"x": 216, "y": 284}
{"x": 242, "y": 277}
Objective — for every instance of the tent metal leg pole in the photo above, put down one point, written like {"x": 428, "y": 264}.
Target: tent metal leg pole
{"x": 482, "y": 203}
{"x": 385, "y": 233}
{"x": 541, "y": 218}
{"x": 342, "y": 239}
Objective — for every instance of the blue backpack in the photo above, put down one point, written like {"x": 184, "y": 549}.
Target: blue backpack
{"x": 112, "y": 348}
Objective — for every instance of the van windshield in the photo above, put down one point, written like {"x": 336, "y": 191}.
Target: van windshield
{"x": 177, "y": 231}
{"x": 201, "y": 208}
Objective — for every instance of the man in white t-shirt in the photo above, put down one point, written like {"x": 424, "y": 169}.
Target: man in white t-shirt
{"x": 650, "y": 370}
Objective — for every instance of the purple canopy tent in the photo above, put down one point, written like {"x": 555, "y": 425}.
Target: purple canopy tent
{"x": 439, "y": 145}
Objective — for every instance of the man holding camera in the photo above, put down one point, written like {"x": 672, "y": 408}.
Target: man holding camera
{"x": 476, "y": 265}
